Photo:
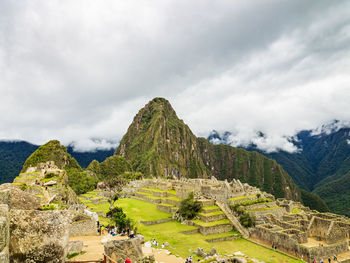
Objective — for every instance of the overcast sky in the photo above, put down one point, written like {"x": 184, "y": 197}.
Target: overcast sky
{"x": 80, "y": 70}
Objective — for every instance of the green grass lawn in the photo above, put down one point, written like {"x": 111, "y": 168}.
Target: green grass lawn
{"x": 212, "y": 213}
{"x": 214, "y": 223}
{"x": 212, "y": 207}
{"x": 180, "y": 244}
{"x": 264, "y": 208}
{"x": 141, "y": 210}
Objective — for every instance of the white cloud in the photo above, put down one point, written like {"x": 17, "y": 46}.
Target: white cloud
{"x": 77, "y": 70}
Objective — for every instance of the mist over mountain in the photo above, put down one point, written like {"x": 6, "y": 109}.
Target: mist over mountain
{"x": 321, "y": 164}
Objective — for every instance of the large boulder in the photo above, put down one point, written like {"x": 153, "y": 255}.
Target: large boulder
{"x": 4, "y": 234}
{"x": 17, "y": 199}
{"x": 39, "y": 236}
{"x": 119, "y": 250}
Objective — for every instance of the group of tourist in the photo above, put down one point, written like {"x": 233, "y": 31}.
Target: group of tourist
{"x": 335, "y": 259}
{"x": 112, "y": 230}
{"x": 189, "y": 260}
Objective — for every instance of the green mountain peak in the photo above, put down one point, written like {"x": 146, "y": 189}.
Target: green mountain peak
{"x": 51, "y": 151}
{"x": 159, "y": 144}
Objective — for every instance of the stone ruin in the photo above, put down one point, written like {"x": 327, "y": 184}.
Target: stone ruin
{"x": 205, "y": 188}
{"x": 287, "y": 224}
{"x": 304, "y": 233}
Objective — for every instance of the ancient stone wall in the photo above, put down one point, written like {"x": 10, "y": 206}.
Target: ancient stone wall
{"x": 84, "y": 226}
{"x": 214, "y": 229}
{"x": 319, "y": 228}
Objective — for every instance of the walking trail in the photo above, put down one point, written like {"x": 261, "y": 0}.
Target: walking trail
{"x": 94, "y": 250}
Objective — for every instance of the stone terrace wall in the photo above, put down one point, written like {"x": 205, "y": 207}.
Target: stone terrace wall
{"x": 327, "y": 230}
{"x": 87, "y": 226}
{"x": 4, "y": 234}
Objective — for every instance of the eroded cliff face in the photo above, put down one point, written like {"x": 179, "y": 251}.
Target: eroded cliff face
{"x": 158, "y": 143}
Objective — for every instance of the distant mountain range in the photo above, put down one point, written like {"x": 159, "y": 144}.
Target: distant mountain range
{"x": 322, "y": 165}
{"x": 14, "y": 154}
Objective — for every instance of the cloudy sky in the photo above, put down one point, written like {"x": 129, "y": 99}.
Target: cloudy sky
{"x": 79, "y": 70}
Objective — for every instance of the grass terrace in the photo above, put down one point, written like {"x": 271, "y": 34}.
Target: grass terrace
{"x": 242, "y": 197}
{"x": 212, "y": 207}
{"x": 264, "y": 209}
{"x": 214, "y": 223}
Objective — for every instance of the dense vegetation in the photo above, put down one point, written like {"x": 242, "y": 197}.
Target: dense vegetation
{"x": 12, "y": 158}
{"x": 322, "y": 166}
{"x": 111, "y": 167}
{"x": 81, "y": 181}
{"x": 189, "y": 207}
{"x": 313, "y": 201}
{"x": 120, "y": 219}
{"x": 247, "y": 219}
{"x": 159, "y": 143}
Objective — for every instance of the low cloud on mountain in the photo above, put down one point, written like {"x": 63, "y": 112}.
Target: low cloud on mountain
{"x": 79, "y": 70}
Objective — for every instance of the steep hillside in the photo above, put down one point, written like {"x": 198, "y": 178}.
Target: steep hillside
{"x": 12, "y": 157}
{"x": 158, "y": 143}
{"x": 111, "y": 167}
{"x": 51, "y": 151}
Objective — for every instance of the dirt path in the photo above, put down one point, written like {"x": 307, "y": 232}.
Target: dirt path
{"x": 94, "y": 250}
{"x": 161, "y": 256}
{"x": 92, "y": 246}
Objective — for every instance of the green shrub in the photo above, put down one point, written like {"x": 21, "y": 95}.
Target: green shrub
{"x": 49, "y": 207}
{"x": 120, "y": 219}
{"x": 23, "y": 186}
{"x": 247, "y": 219}
{"x": 49, "y": 175}
{"x": 81, "y": 182}
{"x": 249, "y": 202}
{"x": 189, "y": 207}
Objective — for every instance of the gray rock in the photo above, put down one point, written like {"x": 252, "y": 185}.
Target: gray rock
{"x": 213, "y": 252}
{"x": 17, "y": 199}
{"x": 75, "y": 246}
{"x": 4, "y": 257}
{"x": 120, "y": 250}
{"x": 39, "y": 236}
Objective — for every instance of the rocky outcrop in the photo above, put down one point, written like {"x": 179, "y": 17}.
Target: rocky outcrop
{"x": 39, "y": 236}
{"x": 75, "y": 246}
{"x": 119, "y": 250}
{"x": 4, "y": 234}
{"x": 17, "y": 199}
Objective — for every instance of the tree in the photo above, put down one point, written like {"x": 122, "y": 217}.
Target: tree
{"x": 121, "y": 220}
{"x": 189, "y": 207}
{"x": 247, "y": 219}
{"x": 114, "y": 187}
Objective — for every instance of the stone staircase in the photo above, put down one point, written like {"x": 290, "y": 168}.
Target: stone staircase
{"x": 225, "y": 208}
